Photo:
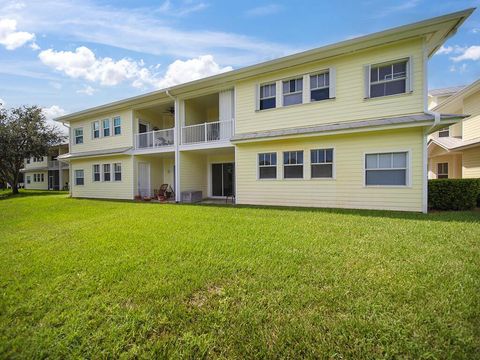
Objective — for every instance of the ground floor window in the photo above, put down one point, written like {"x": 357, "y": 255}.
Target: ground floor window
{"x": 96, "y": 172}
{"x": 28, "y": 179}
{"x": 442, "y": 171}
{"x": 321, "y": 163}
{"x": 267, "y": 166}
{"x": 386, "y": 168}
{"x": 117, "y": 172}
{"x": 79, "y": 179}
{"x": 293, "y": 165}
{"x": 106, "y": 172}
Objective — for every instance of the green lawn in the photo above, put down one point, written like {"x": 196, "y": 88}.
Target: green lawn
{"x": 98, "y": 279}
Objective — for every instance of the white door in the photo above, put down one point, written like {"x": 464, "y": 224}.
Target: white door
{"x": 144, "y": 179}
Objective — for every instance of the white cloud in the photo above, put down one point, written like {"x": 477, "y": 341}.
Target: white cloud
{"x": 264, "y": 10}
{"x": 83, "y": 64}
{"x": 53, "y": 112}
{"x": 10, "y": 37}
{"x": 460, "y": 68}
{"x": 444, "y": 50}
{"x": 34, "y": 46}
{"x": 87, "y": 90}
{"x": 469, "y": 53}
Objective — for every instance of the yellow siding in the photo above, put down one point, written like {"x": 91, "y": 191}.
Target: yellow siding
{"x": 347, "y": 190}
{"x": 471, "y": 163}
{"x": 454, "y": 166}
{"x": 125, "y": 139}
{"x": 471, "y": 126}
{"x": 35, "y": 165}
{"x": 108, "y": 190}
{"x": 349, "y": 104}
{"x": 193, "y": 172}
{"x": 36, "y": 185}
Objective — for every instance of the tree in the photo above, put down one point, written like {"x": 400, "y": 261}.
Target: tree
{"x": 24, "y": 133}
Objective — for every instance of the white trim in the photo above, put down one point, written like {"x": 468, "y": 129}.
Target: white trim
{"x": 408, "y": 76}
{"x": 408, "y": 169}
{"x": 424, "y": 172}
{"x": 332, "y": 81}
{"x": 257, "y": 161}
{"x": 303, "y": 165}
{"x": 334, "y": 163}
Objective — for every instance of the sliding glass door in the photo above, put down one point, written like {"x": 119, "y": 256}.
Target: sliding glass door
{"x": 223, "y": 178}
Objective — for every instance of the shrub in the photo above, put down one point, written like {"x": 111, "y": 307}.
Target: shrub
{"x": 453, "y": 194}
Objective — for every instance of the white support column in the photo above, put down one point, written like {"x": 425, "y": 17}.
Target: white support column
{"x": 178, "y": 139}
{"x": 425, "y": 172}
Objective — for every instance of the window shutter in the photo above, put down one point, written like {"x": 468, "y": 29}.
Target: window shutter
{"x": 279, "y": 94}
{"x": 332, "y": 74}
{"x": 306, "y": 89}
{"x": 366, "y": 70}
{"x": 257, "y": 97}
{"x": 409, "y": 84}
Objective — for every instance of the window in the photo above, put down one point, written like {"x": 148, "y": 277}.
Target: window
{"x": 79, "y": 177}
{"x": 268, "y": 96}
{"x": 96, "y": 172}
{"x": 28, "y": 180}
{"x": 28, "y": 161}
{"x": 442, "y": 171}
{"x": 292, "y": 91}
{"x": 106, "y": 127}
{"x": 34, "y": 177}
{"x": 321, "y": 163}
{"x": 444, "y": 133}
{"x": 95, "y": 129}
{"x": 117, "y": 125}
{"x": 117, "y": 172}
{"x": 320, "y": 86}
{"x": 388, "y": 79}
{"x": 293, "y": 165}
{"x": 267, "y": 166}
{"x": 106, "y": 172}
{"x": 386, "y": 168}
{"x": 42, "y": 177}
{"x": 78, "y": 135}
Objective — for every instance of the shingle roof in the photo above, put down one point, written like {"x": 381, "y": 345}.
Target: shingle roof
{"x": 452, "y": 143}
{"x": 446, "y": 91}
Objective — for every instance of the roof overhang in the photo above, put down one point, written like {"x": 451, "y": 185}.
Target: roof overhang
{"x": 96, "y": 153}
{"x": 435, "y": 31}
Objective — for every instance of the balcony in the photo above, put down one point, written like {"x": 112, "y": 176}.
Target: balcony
{"x": 207, "y": 132}
{"x": 55, "y": 165}
{"x": 155, "y": 139}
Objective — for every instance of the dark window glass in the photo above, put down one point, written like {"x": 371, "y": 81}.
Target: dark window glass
{"x": 267, "y": 103}
{"x": 96, "y": 177}
{"x": 269, "y": 172}
{"x": 320, "y": 94}
{"x": 386, "y": 177}
{"x": 385, "y": 72}
{"x": 293, "y": 171}
{"x": 322, "y": 171}
{"x": 444, "y": 133}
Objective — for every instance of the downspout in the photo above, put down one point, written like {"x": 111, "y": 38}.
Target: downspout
{"x": 176, "y": 147}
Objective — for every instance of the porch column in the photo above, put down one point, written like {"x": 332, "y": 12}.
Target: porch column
{"x": 60, "y": 176}
{"x": 178, "y": 139}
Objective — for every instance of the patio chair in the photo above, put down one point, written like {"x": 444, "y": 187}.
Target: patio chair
{"x": 164, "y": 193}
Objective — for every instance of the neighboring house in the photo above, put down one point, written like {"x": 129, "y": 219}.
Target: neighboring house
{"x": 437, "y": 96}
{"x": 454, "y": 151}
{"x": 344, "y": 125}
{"x": 46, "y": 172}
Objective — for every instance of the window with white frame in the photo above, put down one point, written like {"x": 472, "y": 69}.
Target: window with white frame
{"x": 321, "y": 163}
{"x": 320, "y": 86}
{"x": 42, "y": 177}
{"x": 79, "y": 179}
{"x": 268, "y": 94}
{"x": 106, "y": 127}
{"x": 117, "y": 172}
{"x": 388, "y": 79}
{"x": 292, "y": 91}
{"x": 293, "y": 165}
{"x": 267, "y": 166}
{"x": 442, "y": 171}
{"x": 444, "y": 132}
{"x": 34, "y": 177}
{"x": 106, "y": 172}
{"x": 78, "y": 132}
{"x": 386, "y": 168}
{"x": 96, "y": 172}
{"x": 117, "y": 125}
{"x": 96, "y": 129}
{"x": 28, "y": 179}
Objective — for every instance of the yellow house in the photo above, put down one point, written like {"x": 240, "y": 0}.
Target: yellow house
{"x": 454, "y": 151}
{"x": 46, "y": 172}
{"x": 344, "y": 125}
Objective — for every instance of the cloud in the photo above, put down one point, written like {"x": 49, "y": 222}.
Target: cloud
{"x": 404, "y": 6}
{"x": 87, "y": 90}
{"x": 264, "y": 10}
{"x": 444, "y": 50}
{"x": 53, "y": 112}
{"x": 469, "y": 53}
{"x": 83, "y": 64}
{"x": 460, "y": 68}
{"x": 10, "y": 37}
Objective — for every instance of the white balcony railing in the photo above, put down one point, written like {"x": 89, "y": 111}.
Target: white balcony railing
{"x": 53, "y": 164}
{"x": 154, "y": 139}
{"x": 207, "y": 132}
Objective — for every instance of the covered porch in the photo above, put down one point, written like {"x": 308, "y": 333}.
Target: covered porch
{"x": 154, "y": 127}
{"x": 151, "y": 172}
{"x": 444, "y": 164}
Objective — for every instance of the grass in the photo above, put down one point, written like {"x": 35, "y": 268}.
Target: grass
{"x": 105, "y": 279}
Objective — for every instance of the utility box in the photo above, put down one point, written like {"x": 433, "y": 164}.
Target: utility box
{"x": 191, "y": 196}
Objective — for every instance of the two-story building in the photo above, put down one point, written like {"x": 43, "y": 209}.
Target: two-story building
{"x": 344, "y": 125}
{"x": 454, "y": 151}
{"x": 46, "y": 172}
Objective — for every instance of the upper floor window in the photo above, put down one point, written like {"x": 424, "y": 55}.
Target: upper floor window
{"x": 293, "y": 164}
{"x": 106, "y": 172}
{"x": 320, "y": 86}
{"x": 444, "y": 133}
{"x": 268, "y": 96}
{"x": 78, "y": 132}
{"x": 96, "y": 172}
{"x": 96, "y": 129}
{"x": 79, "y": 179}
{"x": 117, "y": 172}
{"x": 267, "y": 166}
{"x": 442, "y": 171}
{"x": 106, "y": 127}
{"x": 292, "y": 91}
{"x": 321, "y": 163}
{"x": 386, "y": 168}
{"x": 117, "y": 125}
{"x": 388, "y": 79}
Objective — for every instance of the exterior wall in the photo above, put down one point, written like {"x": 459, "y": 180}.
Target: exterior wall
{"x": 193, "y": 172}
{"x": 471, "y": 126}
{"x": 350, "y": 103}
{"x": 347, "y": 189}
{"x": 65, "y": 179}
{"x": 107, "y": 190}
{"x": 214, "y": 158}
{"x": 35, "y": 165}
{"x": 36, "y": 185}
{"x": 125, "y": 139}
{"x": 471, "y": 163}
{"x": 454, "y": 166}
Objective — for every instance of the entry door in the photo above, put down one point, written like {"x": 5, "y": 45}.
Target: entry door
{"x": 223, "y": 179}
{"x": 144, "y": 179}
{"x": 50, "y": 182}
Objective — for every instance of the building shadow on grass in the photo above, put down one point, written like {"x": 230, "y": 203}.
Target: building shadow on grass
{"x": 7, "y": 194}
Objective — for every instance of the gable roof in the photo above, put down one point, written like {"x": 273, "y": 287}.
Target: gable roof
{"x": 435, "y": 30}
{"x": 457, "y": 98}
{"x": 454, "y": 144}
{"x": 446, "y": 91}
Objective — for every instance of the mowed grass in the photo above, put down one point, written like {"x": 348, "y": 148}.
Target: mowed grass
{"x": 105, "y": 279}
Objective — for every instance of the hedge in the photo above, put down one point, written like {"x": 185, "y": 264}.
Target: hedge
{"x": 453, "y": 194}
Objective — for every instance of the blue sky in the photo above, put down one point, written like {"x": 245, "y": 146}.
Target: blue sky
{"x": 69, "y": 55}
